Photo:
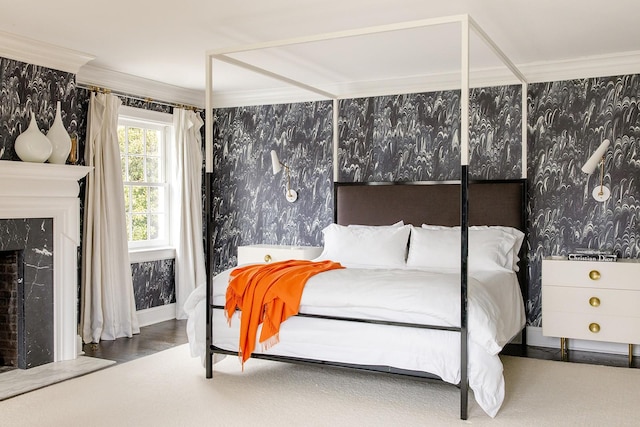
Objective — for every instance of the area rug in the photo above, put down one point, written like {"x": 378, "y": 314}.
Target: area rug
{"x": 170, "y": 389}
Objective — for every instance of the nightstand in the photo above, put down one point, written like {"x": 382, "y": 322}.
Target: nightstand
{"x": 591, "y": 301}
{"x": 272, "y": 253}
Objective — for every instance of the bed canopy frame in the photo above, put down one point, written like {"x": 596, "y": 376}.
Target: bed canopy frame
{"x": 467, "y": 25}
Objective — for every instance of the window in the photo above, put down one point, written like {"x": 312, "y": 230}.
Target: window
{"x": 144, "y": 142}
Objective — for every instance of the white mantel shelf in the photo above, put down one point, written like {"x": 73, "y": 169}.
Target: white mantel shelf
{"x": 24, "y": 179}
{"x": 43, "y": 190}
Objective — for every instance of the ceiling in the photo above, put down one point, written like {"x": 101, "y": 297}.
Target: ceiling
{"x": 166, "y": 42}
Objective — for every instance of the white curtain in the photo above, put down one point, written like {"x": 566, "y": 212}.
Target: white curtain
{"x": 108, "y": 306}
{"x": 187, "y": 214}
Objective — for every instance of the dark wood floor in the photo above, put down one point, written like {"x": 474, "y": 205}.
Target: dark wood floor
{"x": 164, "y": 335}
{"x": 607, "y": 359}
{"x": 150, "y": 340}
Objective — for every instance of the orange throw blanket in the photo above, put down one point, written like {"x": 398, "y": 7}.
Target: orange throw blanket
{"x": 268, "y": 294}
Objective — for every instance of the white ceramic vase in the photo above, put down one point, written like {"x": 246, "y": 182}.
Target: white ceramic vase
{"x": 60, "y": 140}
{"x": 32, "y": 145}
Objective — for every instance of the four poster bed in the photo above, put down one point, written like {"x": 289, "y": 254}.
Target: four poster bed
{"x": 430, "y": 287}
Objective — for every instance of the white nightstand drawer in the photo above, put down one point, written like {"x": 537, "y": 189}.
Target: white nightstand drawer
{"x": 579, "y": 325}
{"x": 273, "y": 253}
{"x": 613, "y": 275}
{"x": 612, "y": 302}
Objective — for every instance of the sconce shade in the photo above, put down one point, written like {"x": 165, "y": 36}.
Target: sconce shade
{"x": 275, "y": 162}
{"x": 595, "y": 158}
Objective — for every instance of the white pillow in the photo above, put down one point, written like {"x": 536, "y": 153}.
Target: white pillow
{"x": 519, "y": 235}
{"x": 489, "y": 249}
{"x": 366, "y": 246}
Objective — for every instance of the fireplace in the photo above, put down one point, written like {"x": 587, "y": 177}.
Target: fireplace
{"x": 40, "y": 216}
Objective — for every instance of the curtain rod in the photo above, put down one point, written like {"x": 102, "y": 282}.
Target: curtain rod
{"x": 138, "y": 98}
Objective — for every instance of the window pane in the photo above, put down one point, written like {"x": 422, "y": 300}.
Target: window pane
{"x": 136, "y": 143}
{"x": 154, "y": 199}
{"x": 123, "y": 165}
{"x": 128, "y": 217}
{"x": 153, "y": 170}
{"x": 127, "y": 198}
{"x": 146, "y": 190}
{"x": 139, "y": 199}
{"x": 121, "y": 139}
{"x": 139, "y": 223}
{"x": 136, "y": 169}
{"x": 154, "y": 226}
{"x": 153, "y": 139}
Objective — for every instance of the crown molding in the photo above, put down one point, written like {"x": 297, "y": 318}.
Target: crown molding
{"x": 90, "y": 75}
{"x": 622, "y": 63}
{"x": 40, "y": 53}
{"x": 614, "y": 64}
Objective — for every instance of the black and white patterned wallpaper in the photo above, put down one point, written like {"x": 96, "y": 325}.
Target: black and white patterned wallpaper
{"x": 249, "y": 204}
{"x": 26, "y": 88}
{"x": 567, "y": 121}
{"x": 153, "y": 283}
{"x": 403, "y": 137}
{"x": 416, "y": 137}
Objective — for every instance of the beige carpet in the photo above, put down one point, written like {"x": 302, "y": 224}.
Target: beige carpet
{"x": 169, "y": 389}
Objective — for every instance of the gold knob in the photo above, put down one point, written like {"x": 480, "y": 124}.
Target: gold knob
{"x": 267, "y": 258}
{"x": 594, "y": 327}
{"x": 594, "y": 302}
{"x": 594, "y": 275}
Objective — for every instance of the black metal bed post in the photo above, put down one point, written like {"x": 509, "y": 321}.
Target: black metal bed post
{"x": 208, "y": 260}
{"x": 464, "y": 252}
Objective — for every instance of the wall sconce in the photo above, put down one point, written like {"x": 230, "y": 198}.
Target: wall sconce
{"x": 290, "y": 194}
{"x": 600, "y": 193}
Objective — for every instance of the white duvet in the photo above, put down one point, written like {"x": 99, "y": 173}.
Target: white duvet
{"x": 496, "y": 315}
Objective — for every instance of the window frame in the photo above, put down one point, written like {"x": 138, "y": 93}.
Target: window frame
{"x": 147, "y": 119}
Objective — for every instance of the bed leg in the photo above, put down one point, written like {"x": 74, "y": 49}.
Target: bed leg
{"x": 209, "y": 364}
{"x": 464, "y": 399}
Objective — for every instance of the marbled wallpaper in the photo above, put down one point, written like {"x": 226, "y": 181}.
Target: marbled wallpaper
{"x": 416, "y": 137}
{"x": 248, "y": 201}
{"x": 34, "y": 237}
{"x": 153, "y": 283}
{"x": 567, "y": 121}
{"x": 26, "y": 88}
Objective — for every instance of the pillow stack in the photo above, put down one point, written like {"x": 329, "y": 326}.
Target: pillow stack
{"x": 429, "y": 246}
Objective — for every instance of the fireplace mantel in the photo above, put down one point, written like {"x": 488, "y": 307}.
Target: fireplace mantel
{"x": 23, "y": 179}
{"x": 42, "y": 190}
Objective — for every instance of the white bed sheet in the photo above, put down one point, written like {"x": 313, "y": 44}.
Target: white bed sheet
{"x": 496, "y": 315}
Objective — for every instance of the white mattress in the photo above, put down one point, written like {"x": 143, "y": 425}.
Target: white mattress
{"x": 496, "y": 314}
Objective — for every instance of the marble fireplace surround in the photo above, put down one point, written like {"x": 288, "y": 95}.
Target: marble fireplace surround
{"x": 42, "y": 190}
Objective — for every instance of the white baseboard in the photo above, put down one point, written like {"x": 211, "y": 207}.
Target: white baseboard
{"x": 536, "y": 339}
{"x": 158, "y": 314}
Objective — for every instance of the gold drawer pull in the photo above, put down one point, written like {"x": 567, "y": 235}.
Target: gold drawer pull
{"x": 267, "y": 258}
{"x": 594, "y": 275}
{"x": 594, "y": 302}
{"x": 594, "y": 327}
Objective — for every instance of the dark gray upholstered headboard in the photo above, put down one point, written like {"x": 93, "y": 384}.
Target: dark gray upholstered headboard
{"x": 437, "y": 203}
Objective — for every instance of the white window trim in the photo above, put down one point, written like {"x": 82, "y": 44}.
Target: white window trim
{"x": 142, "y": 251}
